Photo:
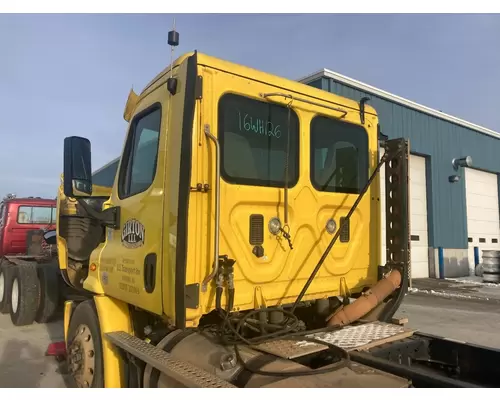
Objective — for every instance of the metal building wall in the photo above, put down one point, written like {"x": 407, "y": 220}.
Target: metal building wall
{"x": 440, "y": 141}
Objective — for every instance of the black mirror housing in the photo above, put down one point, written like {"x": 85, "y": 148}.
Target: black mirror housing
{"x": 50, "y": 237}
{"x": 77, "y": 173}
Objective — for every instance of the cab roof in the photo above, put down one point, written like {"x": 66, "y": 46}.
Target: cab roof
{"x": 250, "y": 73}
{"x": 30, "y": 200}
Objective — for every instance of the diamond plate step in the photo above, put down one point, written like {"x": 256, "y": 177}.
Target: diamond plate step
{"x": 289, "y": 348}
{"x": 182, "y": 371}
{"x": 361, "y": 336}
{"x": 349, "y": 338}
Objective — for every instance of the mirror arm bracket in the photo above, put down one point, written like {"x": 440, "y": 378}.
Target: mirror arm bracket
{"x": 109, "y": 217}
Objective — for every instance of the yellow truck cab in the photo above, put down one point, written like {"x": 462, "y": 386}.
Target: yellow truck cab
{"x": 243, "y": 222}
{"x": 167, "y": 188}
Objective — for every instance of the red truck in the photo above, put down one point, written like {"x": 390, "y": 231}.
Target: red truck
{"x": 18, "y": 216}
{"x": 29, "y": 279}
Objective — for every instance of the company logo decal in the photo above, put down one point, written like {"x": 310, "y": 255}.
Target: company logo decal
{"x": 133, "y": 234}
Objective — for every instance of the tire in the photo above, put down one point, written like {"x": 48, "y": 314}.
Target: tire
{"x": 490, "y": 263}
{"x": 491, "y": 254}
{"x": 5, "y": 285}
{"x": 491, "y": 278}
{"x": 491, "y": 268}
{"x": 84, "y": 323}
{"x": 48, "y": 281}
{"x": 25, "y": 294}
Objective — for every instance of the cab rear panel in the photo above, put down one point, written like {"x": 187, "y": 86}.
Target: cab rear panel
{"x": 329, "y": 160}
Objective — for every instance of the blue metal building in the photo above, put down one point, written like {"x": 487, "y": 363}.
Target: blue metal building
{"x": 461, "y": 210}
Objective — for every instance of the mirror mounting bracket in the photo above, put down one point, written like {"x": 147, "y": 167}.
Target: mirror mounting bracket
{"x": 109, "y": 217}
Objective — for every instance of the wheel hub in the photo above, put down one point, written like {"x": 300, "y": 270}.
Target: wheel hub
{"x": 81, "y": 358}
{"x": 15, "y": 295}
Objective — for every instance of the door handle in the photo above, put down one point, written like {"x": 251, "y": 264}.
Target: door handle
{"x": 150, "y": 272}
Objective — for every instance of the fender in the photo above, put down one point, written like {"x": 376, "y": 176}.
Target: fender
{"x": 113, "y": 316}
{"x": 69, "y": 306}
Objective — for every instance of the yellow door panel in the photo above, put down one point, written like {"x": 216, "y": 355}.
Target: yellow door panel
{"x": 130, "y": 264}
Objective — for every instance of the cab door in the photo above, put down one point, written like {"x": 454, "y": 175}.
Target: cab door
{"x": 131, "y": 261}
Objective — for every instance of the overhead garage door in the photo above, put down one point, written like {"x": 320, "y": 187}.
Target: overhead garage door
{"x": 483, "y": 219}
{"x": 418, "y": 217}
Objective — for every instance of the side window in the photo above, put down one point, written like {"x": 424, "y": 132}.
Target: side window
{"x": 339, "y": 156}
{"x": 24, "y": 215}
{"x": 141, "y": 152}
{"x": 34, "y": 215}
{"x": 41, "y": 215}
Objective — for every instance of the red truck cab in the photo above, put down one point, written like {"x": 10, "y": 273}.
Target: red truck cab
{"x": 20, "y": 215}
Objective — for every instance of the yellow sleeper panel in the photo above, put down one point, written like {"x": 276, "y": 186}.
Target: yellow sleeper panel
{"x": 278, "y": 276}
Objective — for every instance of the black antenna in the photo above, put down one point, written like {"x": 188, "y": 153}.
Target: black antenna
{"x": 173, "y": 41}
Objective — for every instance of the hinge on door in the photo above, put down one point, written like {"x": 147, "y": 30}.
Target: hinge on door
{"x": 200, "y": 187}
{"x": 198, "y": 88}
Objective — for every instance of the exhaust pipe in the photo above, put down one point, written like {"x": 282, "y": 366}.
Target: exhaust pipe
{"x": 367, "y": 301}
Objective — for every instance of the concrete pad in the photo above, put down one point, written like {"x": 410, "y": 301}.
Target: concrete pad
{"x": 471, "y": 321}
{"x": 23, "y": 363}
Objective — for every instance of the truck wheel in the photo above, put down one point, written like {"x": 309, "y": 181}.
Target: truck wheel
{"x": 84, "y": 346}
{"x": 48, "y": 282}
{"x": 5, "y": 280}
{"x": 24, "y": 294}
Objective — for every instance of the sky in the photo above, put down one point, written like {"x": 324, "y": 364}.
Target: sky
{"x": 64, "y": 75}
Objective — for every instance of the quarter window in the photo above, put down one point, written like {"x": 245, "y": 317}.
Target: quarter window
{"x": 106, "y": 176}
{"x": 141, "y": 153}
{"x": 339, "y": 156}
{"x": 254, "y": 140}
